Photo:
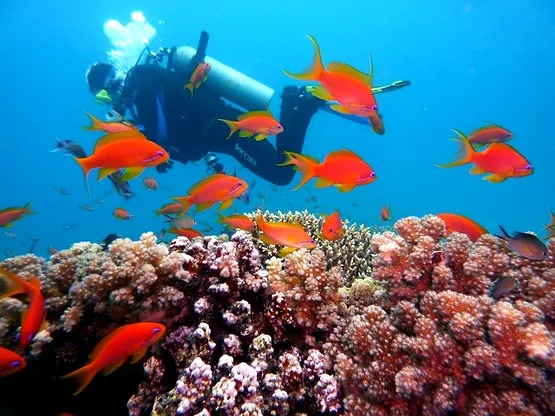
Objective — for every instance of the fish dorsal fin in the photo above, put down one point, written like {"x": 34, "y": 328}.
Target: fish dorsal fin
{"x": 102, "y": 343}
{"x": 336, "y": 154}
{"x": 110, "y": 138}
{"x": 349, "y": 70}
{"x": 203, "y": 182}
{"x": 266, "y": 113}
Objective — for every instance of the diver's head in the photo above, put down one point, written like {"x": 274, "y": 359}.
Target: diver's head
{"x": 103, "y": 82}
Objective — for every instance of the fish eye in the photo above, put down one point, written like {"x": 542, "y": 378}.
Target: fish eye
{"x": 330, "y": 229}
{"x": 159, "y": 153}
{"x": 156, "y": 330}
{"x": 373, "y": 174}
{"x": 239, "y": 184}
{"x": 374, "y": 107}
{"x": 15, "y": 364}
{"x": 528, "y": 167}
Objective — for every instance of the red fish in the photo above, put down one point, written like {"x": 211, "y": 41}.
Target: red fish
{"x": 185, "y": 232}
{"x": 491, "y": 133}
{"x": 36, "y": 313}
{"x": 259, "y": 123}
{"x": 348, "y": 86}
{"x": 212, "y": 189}
{"x": 150, "y": 183}
{"x": 342, "y": 168}
{"x": 499, "y": 160}
{"x": 10, "y": 362}
{"x": 169, "y": 208}
{"x": 332, "y": 229}
{"x": 242, "y": 222}
{"x": 198, "y": 76}
{"x": 122, "y": 214}
{"x": 290, "y": 235}
{"x": 12, "y": 214}
{"x": 455, "y": 223}
{"x": 112, "y": 351}
{"x": 385, "y": 213}
{"x": 128, "y": 149}
{"x": 109, "y": 126}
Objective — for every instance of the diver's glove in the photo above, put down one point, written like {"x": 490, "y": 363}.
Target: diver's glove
{"x": 164, "y": 167}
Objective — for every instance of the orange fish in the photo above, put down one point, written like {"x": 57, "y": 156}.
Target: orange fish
{"x": 491, "y": 133}
{"x": 112, "y": 351}
{"x": 239, "y": 221}
{"x": 385, "y": 213}
{"x": 290, "y": 235}
{"x": 128, "y": 149}
{"x": 10, "y": 362}
{"x": 198, "y": 76}
{"x": 34, "y": 317}
{"x": 109, "y": 126}
{"x": 341, "y": 168}
{"x": 10, "y": 215}
{"x": 150, "y": 183}
{"x": 185, "y": 232}
{"x": 169, "y": 208}
{"x": 212, "y": 189}
{"x": 350, "y": 88}
{"x": 455, "y": 223}
{"x": 261, "y": 123}
{"x": 122, "y": 214}
{"x": 499, "y": 160}
{"x": 332, "y": 229}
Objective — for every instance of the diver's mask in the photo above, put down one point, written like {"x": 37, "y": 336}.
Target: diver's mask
{"x": 103, "y": 98}
{"x": 109, "y": 86}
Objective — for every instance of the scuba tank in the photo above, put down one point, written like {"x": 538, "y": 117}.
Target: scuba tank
{"x": 231, "y": 84}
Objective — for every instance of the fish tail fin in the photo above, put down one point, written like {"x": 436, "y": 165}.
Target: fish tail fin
{"x": 59, "y": 145}
{"x": 189, "y": 87}
{"x": 82, "y": 377}
{"x": 505, "y": 235}
{"x": 232, "y": 126}
{"x": 314, "y": 72}
{"x": 86, "y": 169}
{"x": 466, "y": 151}
{"x": 27, "y": 209}
{"x": 185, "y": 202}
{"x": 301, "y": 163}
{"x": 96, "y": 124}
{"x": 14, "y": 285}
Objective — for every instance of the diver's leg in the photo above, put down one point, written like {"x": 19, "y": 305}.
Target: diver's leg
{"x": 261, "y": 157}
{"x": 297, "y": 108}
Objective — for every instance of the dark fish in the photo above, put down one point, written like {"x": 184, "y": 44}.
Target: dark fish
{"x": 86, "y": 207}
{"x": 502, "y": 286}
{"x": 110, "y": 238}
{"x": 70, "y": 147}
{"x": 61, "y": 190}
{"x": 122, "y": 187}
{"x": 525, "y": 244}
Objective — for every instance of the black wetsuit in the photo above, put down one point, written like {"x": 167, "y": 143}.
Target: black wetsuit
{"x": 188, "y": 127}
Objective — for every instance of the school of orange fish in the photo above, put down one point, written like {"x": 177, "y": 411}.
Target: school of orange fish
{"x": 346, "y": 90}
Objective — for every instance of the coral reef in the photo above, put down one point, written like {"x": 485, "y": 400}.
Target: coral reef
{"x": 352, "y": 252}
{"x": 404, "y": 326}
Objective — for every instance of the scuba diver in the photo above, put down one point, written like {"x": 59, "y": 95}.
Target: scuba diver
{"x": 187, "y": 126}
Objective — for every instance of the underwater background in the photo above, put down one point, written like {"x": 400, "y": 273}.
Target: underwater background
{"x": 469, "y": 62}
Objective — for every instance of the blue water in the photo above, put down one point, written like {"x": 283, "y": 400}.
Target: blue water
{"x": 469, "y": 62}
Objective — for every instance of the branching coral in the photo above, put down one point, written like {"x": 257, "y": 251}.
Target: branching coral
{"x": 312, "y": 333}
